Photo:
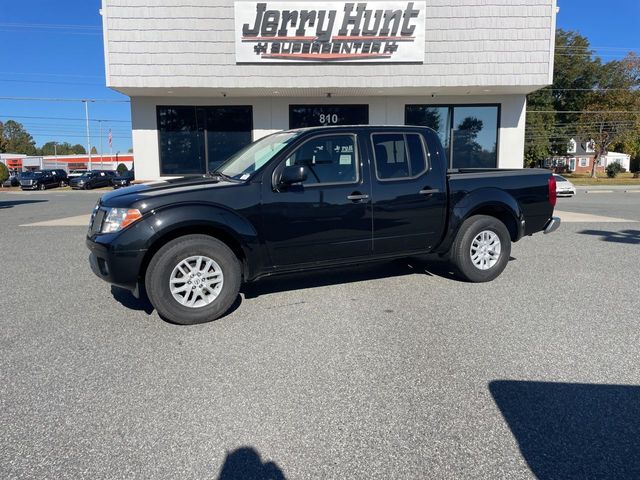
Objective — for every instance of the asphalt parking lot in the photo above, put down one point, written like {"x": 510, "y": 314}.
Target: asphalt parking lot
{"x": 394, "y": 370}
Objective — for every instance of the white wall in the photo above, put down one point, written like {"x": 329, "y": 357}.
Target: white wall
{"x": 271, "y": 114}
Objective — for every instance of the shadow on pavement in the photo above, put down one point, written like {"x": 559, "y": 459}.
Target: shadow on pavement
{"x": 340, "y": 275}
{"x": 573, "y": 430}
{"x": 623, "y": 236}
{"x": 13, "y": 203}
{"x": 245, "y": 464}
{"x": 127, "y": 299}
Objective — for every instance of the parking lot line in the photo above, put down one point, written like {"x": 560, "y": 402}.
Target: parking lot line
{"x": 572, "y": 217}
{"x": 77, "y": 221}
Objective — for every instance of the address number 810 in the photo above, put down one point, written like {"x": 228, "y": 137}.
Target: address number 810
{"x": 327, "y": 119}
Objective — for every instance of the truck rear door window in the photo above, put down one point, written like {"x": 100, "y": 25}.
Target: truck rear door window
{"x": 398, "y": 155}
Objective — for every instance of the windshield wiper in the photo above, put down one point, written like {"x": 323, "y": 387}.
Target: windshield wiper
{"x": 223, "y": 176}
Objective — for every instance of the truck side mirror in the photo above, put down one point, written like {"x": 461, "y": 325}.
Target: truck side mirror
{"x": 293, "y": 174}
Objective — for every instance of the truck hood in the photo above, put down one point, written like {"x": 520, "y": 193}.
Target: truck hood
{"x": 147, "y": 193}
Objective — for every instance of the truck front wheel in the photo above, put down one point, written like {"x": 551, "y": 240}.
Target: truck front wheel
{"x": 481, "y": 249}
{"x": 193, "y": 279}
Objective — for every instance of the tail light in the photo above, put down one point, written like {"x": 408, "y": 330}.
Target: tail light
{"x": 552, "y": 191}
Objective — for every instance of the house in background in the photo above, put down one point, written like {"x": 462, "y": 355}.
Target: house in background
{"x": 580, "y": 156}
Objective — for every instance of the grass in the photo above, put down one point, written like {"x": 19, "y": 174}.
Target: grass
{"x": 585, "y": 179}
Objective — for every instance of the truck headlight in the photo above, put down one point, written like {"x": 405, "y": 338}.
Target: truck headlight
{"x": 118, "y": 218}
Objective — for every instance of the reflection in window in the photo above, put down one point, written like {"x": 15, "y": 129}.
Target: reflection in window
{"x": 437, "y": 118}
{"x": 181, "y": 141}
{"x": 474, "y": 129}
{"x": 475, "y": 137}
{"x": 196, "y": 140}
{"x": 327, "y": 159}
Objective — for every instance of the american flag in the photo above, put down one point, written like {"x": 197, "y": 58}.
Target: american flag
{"x": 110, "y": 139}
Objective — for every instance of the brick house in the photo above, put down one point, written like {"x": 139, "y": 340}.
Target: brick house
{"x": 580, "y": 156}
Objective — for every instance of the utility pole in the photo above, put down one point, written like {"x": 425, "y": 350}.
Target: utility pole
{"x": 86, "y": 113}
{"x": 101, "y": 165}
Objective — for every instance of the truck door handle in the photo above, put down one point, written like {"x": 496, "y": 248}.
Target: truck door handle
{"x": 429, "y": 191}
{"x": 356, "y": 196}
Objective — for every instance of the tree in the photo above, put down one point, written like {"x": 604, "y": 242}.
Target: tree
{"x": 4, "y": 173}
{"x": 611, "y": 114}
{"x": 16, "y": 139}
{"x": 130, "y": 150}
{"x": 121, "y": 168}
{"x": 2, "y": 141}
{"x": 548, "y": 125}
{"x": 78, "y": 149}
{"x": 94, "y": 151}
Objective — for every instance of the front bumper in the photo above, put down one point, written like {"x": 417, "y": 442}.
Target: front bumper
{"x": 121, "y": 268}
{"x": 29, "y": 187}
{"x": 552, "y": 225}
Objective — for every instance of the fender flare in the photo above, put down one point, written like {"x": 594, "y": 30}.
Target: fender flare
{"x": 483, "y": 201}
{"x": 168, "y": 223}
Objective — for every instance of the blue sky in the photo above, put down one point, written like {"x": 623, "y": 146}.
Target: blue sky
{"x": 42, "y": 58}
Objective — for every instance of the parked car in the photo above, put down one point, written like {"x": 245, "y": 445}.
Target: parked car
{"x": 61, "y": 176}
{"x": 564, "y": 186}
{"x": 14, "y": 180}
{"x": 76, "y": 173}
{"x": 123, "y": 180}
{"x": 93, "y": 179}
{"x": 307, "y": 199}
{"x": 39, "y": 180}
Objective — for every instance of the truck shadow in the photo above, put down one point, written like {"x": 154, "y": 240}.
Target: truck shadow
{"x": 631, "y": 237}
{"x": 573, "y": 430}
{"x": 125, "y": 298}
{"x": 245, "y": 464}
{"x": 432, "y": 267}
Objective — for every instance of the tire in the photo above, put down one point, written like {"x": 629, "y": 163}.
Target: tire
{"x": 42, "y": 186}
{"x": 165, "y": 263}
{"x": 462, "y": 255}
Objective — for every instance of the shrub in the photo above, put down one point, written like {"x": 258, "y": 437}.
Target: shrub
{"x": 121, "y": 168}
{"x": 635, "y": 164}
{"x": 613, "y": 169}
{"x": 4, "y": 173}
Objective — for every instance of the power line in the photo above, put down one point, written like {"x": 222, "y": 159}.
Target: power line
{"x": 51, "y": 83}
{"x": 35, "y": 99}
{"x": 52, "y": 26}
{"x": 585, "y": 111}
{"x": 66, "y": 118}
{"x": 52, "y": 74}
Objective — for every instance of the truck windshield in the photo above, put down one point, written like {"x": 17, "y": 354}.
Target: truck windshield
{"x": 255, "y": 155}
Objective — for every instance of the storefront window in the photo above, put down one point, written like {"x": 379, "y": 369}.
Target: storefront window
{"x": 196, "y": 140}
{"x": 181, "y": 141}
{"x": 301, "y": 116}
{"x": 437, "y": 118}
{"x": 474, "y": 129}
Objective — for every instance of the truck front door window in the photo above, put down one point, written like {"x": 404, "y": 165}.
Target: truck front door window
{"x": 328, "y": 159}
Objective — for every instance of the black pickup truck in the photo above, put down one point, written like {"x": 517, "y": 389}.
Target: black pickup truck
{"x": 306, "y": 199}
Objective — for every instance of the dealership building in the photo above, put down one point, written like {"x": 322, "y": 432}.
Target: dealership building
{"x": 207, "y": 77}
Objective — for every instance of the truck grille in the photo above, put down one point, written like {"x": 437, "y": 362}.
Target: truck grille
{"x": 96, "y": 221}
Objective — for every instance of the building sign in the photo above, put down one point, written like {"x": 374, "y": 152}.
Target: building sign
{"x": 302, "y": 116}
{"x": 334, "y": 32}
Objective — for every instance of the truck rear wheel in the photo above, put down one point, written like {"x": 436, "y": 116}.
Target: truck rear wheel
{"x": 193, "y": 279}
{"x": 481, "y": 249}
